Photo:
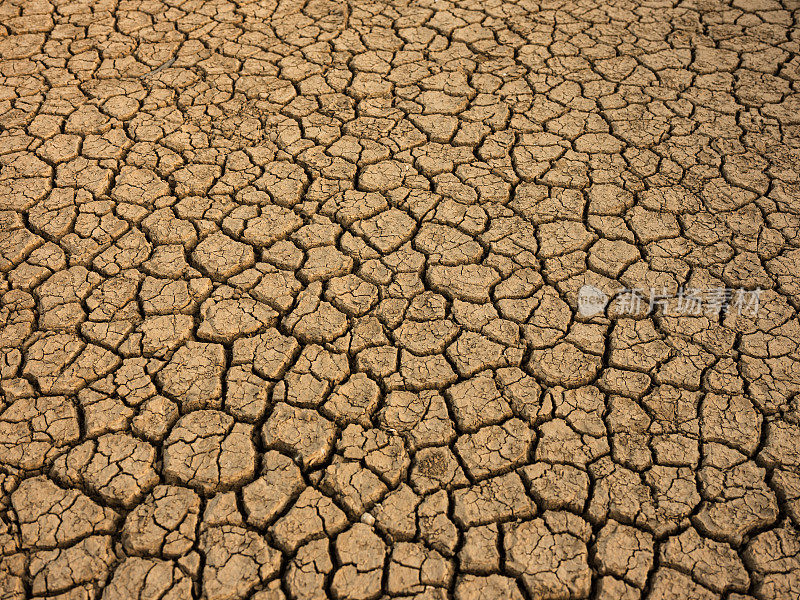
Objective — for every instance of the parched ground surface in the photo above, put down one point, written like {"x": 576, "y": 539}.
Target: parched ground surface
{"x": 288, "y": 303}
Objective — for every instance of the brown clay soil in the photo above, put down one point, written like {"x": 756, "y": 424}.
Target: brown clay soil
{"x": 289, "y": 299}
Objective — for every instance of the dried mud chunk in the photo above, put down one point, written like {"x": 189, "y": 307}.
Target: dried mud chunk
{"x": 731, "y": 420}
{"x": 379, "y": 363}
{"x": 17, "y": 318}
{"x": 88, "y": 561}
{"x": 155, "y": 417}
{"x": 524, "y": 394}
{"x": 425, "y": 372}
{"x": 302, "y": 432}
{"x": 435, "y": 527}
{"x": 472, "y": 587}
{"x": 352, "y": 205}
{"x": 737, "y": 499}
{"x": 564, "y": 364}
{"x": 620, "y": 493}
{"x": 471, "y": 283}
{"x": 284, "y": 181}
{"x": 318, "y": 233}
{"x": 559, "y": 443}
{"x": 773, "y": 380}
{"x": 49, "y": 516}
{"x": 64, "y": 364}
{"x": 361, "y": 554}
{"x": 115, "y": 299}
{"x": 412, "y": 568}
{"x": 164, "y": 333}
{"x": 277, "y": 288}
{"x": 353, "y": 401}
{"x": 629, "y": 423}
{"x": 195, "y": 179}
{"x": 625, "y": 552}
{"x": 118, "y": 467}
{"x": 247, "y": 394}
{"x": 323, "y": 263}
{"x": 163, "y": 227}
{"x": 675, "y": 425}
{"x": 270, "y": 493}
{"x": 138, "y": 186}
{"x": 434, "y": 469}
{"x": 395, "y": 514}
{"x": 404, "y": 410}
{"x": 426, "y": 337}
{"x": 477, "y": 402}
{"x": 550, "y": 555}
{"x": 222, "y": 509}
{"x": 273, "y": 591}
{"x": 322, "y": 364}
{"x": 132, "y": 382}
{"x": 473, "y": 352}
{"x": 273, "y": 224}
{"x": 33, "y": 429}
{"x": 557, "y": 487}
{"x": 611, "y": 258}
{"x": 225, "y": 319}
{"x": 562, "y": 237}
{"x": 609, "y": 588}
{"x": 787, "y": 485}
{"x": 305, "y": 389}
{"x": 164, "y": 524}
{"x": 60, "y": 297}
{"x": 313, "y": 320}
{"x": 237, "y": 560}
{"x": 221, "y": 257}
{"x": 312, "y": 517}
{"x": 446, "y": 245}
{"x": 148, "y": 579}
{"x": 194, "y": 375}
{"x": 495, "y": 448}
{"x": 439, "y": 103}
{"x": 305, "y": 577}
{"x": 167, "y": 297}
{"x": 12, "y": 580}
{"x": 386, "y": 231}
{"x": 382, "y": 177}
{"x": 495, "y": 499}
{"x": 422, "y": 417}
{"x": 637, "y": 346}
{"x": 669, "y": 584}
{"x": 714, "y": 564}
{"x": 357, "y": 489}
{"x": 323, "y": 323}
{"x": 480, "y": 553}
{"x": 270, "y": 353}
{"x": 168, "y": 261}
{"x": 773, "y": 555}
{"x": 208, "y": 451}
{"x": 84, "y": 174}
{"x": 382, "y": 452}
{"x": 351, "y": 294}
{"x": 128, "y": 252}
{"x": 54, "y": 215}
{"x": 781, "y": 448}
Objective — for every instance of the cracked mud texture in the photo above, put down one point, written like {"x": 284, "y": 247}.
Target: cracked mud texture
{"x": 289, "y": 300}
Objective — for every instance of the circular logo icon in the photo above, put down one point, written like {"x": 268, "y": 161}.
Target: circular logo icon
{"x": 591, "y": 301}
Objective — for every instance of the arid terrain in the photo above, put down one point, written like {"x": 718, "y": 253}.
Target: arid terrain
{"x": 431, "y": 299}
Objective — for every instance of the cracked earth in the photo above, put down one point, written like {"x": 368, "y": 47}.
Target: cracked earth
{"x": 289, "y": 290}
